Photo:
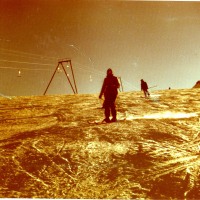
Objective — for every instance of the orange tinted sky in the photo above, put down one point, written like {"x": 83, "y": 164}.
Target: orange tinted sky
{"x": 156, "y": 41}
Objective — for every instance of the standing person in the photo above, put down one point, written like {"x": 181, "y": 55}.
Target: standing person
{"x": 109, "y": 90}
{"x": 145, "y": 88}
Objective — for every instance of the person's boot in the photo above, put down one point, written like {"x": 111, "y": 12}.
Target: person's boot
{"x": 113, "y": 119}
{"x": 107, "y": 120}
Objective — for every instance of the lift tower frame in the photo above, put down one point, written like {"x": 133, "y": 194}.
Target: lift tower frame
{"x": 73, "y": 86}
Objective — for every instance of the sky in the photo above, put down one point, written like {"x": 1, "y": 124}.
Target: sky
{"x": 158, "y": 41}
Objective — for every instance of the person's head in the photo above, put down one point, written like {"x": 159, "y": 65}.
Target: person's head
{"x": 109, "y": 72}
{"x": 142, "y": 80}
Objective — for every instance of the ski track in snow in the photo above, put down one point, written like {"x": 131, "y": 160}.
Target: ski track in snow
{"x": 48, "y": 149}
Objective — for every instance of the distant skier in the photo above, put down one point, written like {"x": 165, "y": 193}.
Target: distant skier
{"x": 109, "y": 90}
{"x": 144, "y": 88}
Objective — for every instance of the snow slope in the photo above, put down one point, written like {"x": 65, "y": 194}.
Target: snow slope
{"x": 49, "y": 150}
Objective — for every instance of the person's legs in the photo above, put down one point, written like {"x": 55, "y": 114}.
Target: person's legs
{"x": 107, "y": 111}
{"x": 145, "y": 93}
{"x": 113, "y": 112}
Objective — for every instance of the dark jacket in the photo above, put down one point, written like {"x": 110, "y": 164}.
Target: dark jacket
{"x": 144, "y": 86}
{"x": 110, "y": 86}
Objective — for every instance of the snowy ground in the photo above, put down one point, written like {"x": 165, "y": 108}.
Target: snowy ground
{"x": 49, "y": 150}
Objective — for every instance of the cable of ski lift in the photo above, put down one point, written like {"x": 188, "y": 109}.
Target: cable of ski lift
{"x": 20, "y": 53}
{"x": 78, "y": 65}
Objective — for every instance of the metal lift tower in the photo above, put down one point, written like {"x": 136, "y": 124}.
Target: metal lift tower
{"x": 60, "y": 63}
